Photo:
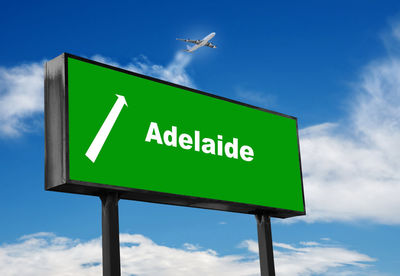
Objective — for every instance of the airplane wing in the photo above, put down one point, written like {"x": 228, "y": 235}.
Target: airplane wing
{"x": 192, "y": 49}
{"x": 209, "y": 44}
{"x": 191, "y": 41}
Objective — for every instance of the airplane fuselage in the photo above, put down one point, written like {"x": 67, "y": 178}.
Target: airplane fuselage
{"x": 202, "y": 43}
{"x": 206, "y": 39}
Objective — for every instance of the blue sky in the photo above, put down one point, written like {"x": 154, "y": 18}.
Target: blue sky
{"x": 335, "y": 65}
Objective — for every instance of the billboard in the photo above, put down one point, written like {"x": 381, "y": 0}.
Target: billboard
{"x": 111, "y": 129}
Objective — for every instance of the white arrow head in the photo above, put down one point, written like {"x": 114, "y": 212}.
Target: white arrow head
{"x": 105, "y": 129}
{"x": 121, "y": 98}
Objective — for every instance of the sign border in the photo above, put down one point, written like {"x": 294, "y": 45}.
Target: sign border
{"x": 57, "y": 148}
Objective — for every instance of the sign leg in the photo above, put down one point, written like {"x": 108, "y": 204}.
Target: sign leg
{"x": 110, "y": 230}
{"x": 265, "y": 245}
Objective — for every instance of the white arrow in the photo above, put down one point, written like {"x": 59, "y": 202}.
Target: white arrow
{"x": 105, "y": 129}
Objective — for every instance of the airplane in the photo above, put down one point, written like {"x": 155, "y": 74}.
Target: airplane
{"x": 199, "y": 43}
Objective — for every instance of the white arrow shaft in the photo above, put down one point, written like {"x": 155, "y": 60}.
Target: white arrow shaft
{"x": 105, "y": 129}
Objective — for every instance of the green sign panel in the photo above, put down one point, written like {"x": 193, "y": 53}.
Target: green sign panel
{"x": 111, "y": 129}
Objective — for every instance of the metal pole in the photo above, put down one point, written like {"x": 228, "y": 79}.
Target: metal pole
{"x": 110, "y": 229}
{"x": 265, "y": 245}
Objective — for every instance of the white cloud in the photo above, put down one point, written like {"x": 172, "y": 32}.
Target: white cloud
{"x": 21, "y": 98}
{"x": 309, "y": 243}
{"x": 256, "y": 98}
{"x": 251, "y": 245}
{"x": 174, "y": 72}
{"x": 191, "y": 247}
{"x": 351, "y": 169}
{"x": 21, "y": 89}
{"x": 314, "y": 259}
{"x": 47, "y": 254}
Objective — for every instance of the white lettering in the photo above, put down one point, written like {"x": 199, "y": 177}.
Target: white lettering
{"x": 170, "y": 134}
{"x": 185, "y": 141}
{"x": 232, "y": 146}
{"x": 156, "y": 136}
{"x": 207, "y": 145}
{"x": 197, "y": 140}
{"x": 246, "y": 153}
{"x": 219, "y": 145}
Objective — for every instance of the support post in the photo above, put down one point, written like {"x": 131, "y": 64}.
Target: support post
{"x": 110, "y": 234}
{"x": 265, "y": 245}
